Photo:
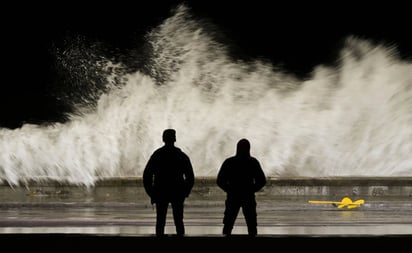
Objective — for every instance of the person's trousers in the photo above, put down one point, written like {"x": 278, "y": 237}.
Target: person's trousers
{"x": 161, "y": 213}
{"x": 232, "y": 207}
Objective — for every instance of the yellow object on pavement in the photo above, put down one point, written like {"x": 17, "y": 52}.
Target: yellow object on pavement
{"x": 345, "y": 202}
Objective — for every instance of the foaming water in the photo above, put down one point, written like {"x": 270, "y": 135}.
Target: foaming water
{"x": 351, "y": 120}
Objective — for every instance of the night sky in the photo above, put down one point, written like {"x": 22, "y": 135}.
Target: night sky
{"x": 294, "y": 36}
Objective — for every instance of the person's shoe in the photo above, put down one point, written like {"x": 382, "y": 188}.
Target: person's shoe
{"x": 252, "y": 232}
{"x": 226, "y": 232}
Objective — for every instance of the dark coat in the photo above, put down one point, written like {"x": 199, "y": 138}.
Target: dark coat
{"x": 168, "y": 175}
{"x": 241, "y": 176}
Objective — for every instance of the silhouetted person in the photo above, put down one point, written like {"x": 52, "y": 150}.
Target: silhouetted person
{"x": 168, "y": 178}
{"x": 241, "y": 176}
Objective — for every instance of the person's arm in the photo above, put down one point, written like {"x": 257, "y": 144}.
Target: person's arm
{"x": 260, "y": 177}
{"x": 148, "y": 174}
{"x": 221, "y": 180}
{"x": 189, "y": 177}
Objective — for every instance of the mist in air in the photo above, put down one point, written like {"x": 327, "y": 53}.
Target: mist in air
{"x": 354, "y": 119}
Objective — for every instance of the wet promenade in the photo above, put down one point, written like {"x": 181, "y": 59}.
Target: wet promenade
{"x": 119, "y": 208}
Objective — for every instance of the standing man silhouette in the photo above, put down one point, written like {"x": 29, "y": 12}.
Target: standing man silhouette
{"x": 241, "y": 176}
{"x": 168, "y": 178}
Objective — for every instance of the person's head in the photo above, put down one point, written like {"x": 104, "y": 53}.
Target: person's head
{"x": 243, "y": 148}
{"x": 169, "y": 136}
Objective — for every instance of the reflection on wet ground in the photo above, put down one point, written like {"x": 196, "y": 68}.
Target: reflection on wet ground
{"x": 293, "y": 216}
{"x": 121, "y": 208}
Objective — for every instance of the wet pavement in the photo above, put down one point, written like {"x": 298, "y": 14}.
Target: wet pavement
{"x": 123, "y": 209}
{"x": 281, "y": 218}
{"x": 294, "y": 216}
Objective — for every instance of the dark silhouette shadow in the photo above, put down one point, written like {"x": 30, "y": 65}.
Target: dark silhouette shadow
{"x": 168, "y": 178}
{"x": 92, "y": 242}
{"x": 241, "y": 176}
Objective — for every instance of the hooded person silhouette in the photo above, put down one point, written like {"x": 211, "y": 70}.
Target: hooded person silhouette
{"x": 168, "y": 178}
{"x": 241, "y": 176}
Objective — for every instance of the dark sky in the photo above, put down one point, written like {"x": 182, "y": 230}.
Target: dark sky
{"x": 294, "y": 35}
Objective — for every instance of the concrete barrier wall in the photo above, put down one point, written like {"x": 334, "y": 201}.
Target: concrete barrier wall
{"x": 130, "y": 190}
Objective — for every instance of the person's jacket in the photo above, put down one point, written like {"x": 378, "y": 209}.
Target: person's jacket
{"x": 168, "y": 174}
{"x": 241, "y": 176}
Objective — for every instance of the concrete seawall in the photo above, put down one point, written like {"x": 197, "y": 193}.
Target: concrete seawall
{"x": 130, "y": 190}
